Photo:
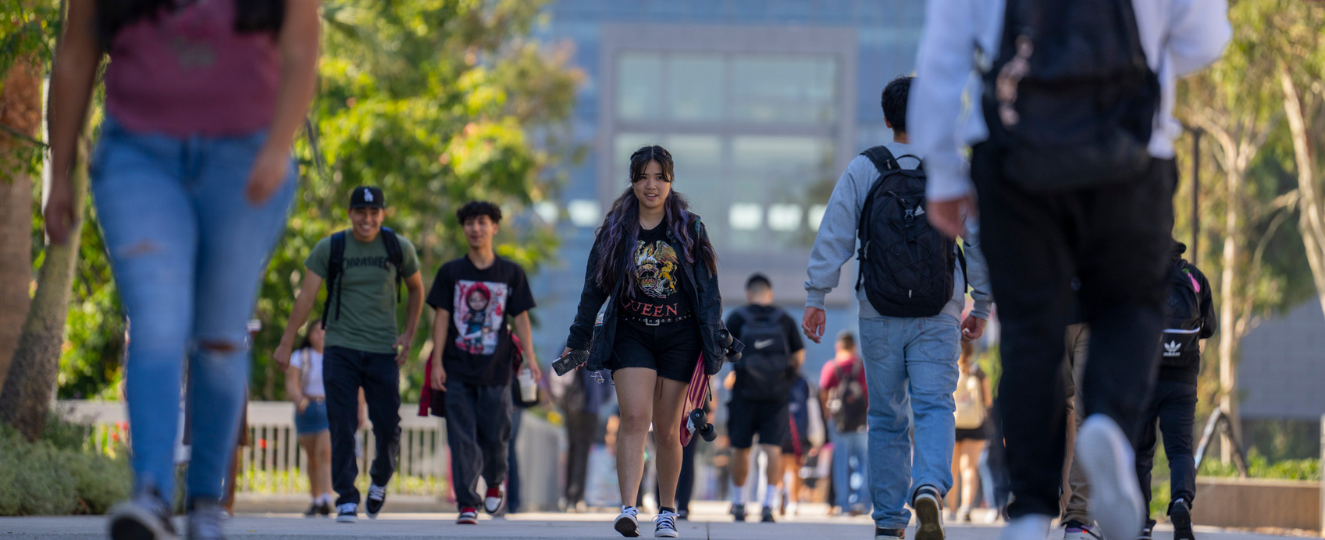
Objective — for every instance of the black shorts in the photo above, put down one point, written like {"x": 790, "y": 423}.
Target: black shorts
{"x": 978, "y": 434}
{"x": 670, "y": 349}
{"x": 795, "y": 445}
{"x": 745, "y": 419}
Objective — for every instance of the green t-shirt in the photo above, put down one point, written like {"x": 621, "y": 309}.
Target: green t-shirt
{"x": 367, "y": 294}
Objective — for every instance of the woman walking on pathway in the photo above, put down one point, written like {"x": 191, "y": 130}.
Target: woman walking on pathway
{"x": 192, "y": 180}
{"x": 303, "y": 386}
{"x": 653, "y": 265}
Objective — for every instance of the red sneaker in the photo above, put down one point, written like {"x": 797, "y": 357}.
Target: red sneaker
{"x": 494, "y": 500}
{"x": 468, "y": 516}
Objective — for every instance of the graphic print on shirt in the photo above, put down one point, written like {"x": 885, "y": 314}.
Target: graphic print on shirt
{"x": 656, "y": 268}
{"x": 479, "y": 313}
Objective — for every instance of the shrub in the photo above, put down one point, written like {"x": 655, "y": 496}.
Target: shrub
{"x": 59, "y": 473}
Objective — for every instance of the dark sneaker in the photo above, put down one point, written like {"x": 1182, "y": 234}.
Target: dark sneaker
{"x": 1148, "y": 531}
{"x": 1076, "y": 530}
{"x": 468, "y": 516}
{"x": 376, "y": 498}
{"x": 768, "y": 515}
{"x": 312, "y": 510}
{"x": 1180, "y": 513}
{"x": 683, "y": 515}
{"x": 205, "y": 520}
{"x": 494, "y": 500}
{"x": 665, "y": 525}
{"x": 347, "y": 513}
{"x": 1109, "y": 462}
{"x": 628, "y": 522}
{"x": 929, "y": 513}
{"x": 738, "y": 512}
{"x": 144, "y": 517}
{"x": 881, "y": 533}
{"x": 324, "y": 509}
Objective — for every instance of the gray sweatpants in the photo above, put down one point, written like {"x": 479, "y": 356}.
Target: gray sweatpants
{"x": 478, "y": 430}
{"x": 1076, "y": 493}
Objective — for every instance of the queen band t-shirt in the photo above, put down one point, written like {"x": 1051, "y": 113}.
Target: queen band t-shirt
{"x": 478, "y": 347}
{"x": 658, "y": 287}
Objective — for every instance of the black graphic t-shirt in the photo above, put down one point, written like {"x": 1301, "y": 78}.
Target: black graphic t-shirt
{"x": 478, "y": 346}
{"x": 657, "y": 284}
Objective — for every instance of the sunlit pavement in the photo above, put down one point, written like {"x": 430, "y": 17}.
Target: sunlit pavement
{"x": 709, "y": 522}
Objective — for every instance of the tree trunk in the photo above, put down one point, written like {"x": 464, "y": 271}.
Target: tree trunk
{"x": 1311, "y": 208}
{"x": 1229, "y": 338}
{"x": 28, "y": 390}
{"x": 20, "y": 110}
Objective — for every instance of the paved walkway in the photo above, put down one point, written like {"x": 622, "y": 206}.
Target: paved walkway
{"x": 709, "y": 524}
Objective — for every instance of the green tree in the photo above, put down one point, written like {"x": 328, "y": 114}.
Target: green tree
{"x": 437, "y": 102}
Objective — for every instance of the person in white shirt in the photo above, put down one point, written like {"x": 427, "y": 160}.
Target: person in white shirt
{"x": 1115, "y": 237}
{"x": 303, "y": 386}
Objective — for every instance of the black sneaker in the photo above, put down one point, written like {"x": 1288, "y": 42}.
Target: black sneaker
{"x": 1147, "y": 532}
{"x": 665, "y": 525}
{"x": 881, "y": 533}
{"x": 768, "y": 515}
{"x": 738, "y": 512}
{"x": 205, "y": 518}
{"x": 347, "y": 513}
{"x": 144, "y": 517}
{"x": 324, "y": 509}
{"x": 929, "y": 513}
{"x": 1181, "y": 516}
{"x": 683, "y": 514}
{"x": 376, "y": 498}
{"x": 312, "y": 510}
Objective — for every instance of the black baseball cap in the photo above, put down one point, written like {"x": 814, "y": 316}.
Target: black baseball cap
{"x": 367, "y": 197}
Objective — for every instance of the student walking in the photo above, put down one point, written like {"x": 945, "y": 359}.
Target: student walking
{"x": 1191, "y": 319}
{"x": 303, "y": 386}
{"x": 974, "y": 401}
{"x": 654, "y": 268}
{"x": 1075, "y": 174}
{"x": 795, "y": 442}
{"x": 473, "y": 298}
{"x": 363, "y": 269}
{"x": 761, "y": 390}
{"x": 844, "y": 394}
{"x": 912, "y": 291}
{"x": 1075, "y": 497}
{"x": 192, "y": 180}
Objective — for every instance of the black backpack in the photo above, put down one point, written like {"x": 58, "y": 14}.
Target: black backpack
{"x": 764, "y": 372}
{"x": 1069, "y": 100}
{"x": 847, "y": 401}
{"x": 906, "y": 265}
{"x": 394, "y": 256}
{"x": 1180, "y": 343}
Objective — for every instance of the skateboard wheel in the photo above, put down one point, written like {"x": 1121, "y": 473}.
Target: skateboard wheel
{"x": 708, "y": 433}
{"x": 725, "y": 338}
{"x": 733, "y": 357}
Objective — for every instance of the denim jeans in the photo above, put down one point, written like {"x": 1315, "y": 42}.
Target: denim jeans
{"x": 846, "y": 446}
{"x": 188, "y": 252}
{"x": 911, "y": 371}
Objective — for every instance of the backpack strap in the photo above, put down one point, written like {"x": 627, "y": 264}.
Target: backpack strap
{"x": 395, "y": 256}
{"x": 335, "y": 266}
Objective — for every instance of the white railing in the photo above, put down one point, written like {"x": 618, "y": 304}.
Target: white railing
{"x": 272, "y": 463}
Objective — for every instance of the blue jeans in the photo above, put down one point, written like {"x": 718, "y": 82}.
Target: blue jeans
{"x": 188, "y": 253}
{"x": 845, "y": 447}
{"x": 911, "y": 371}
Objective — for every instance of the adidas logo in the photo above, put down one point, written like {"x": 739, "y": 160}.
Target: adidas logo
{"x": 1172, "y": 349}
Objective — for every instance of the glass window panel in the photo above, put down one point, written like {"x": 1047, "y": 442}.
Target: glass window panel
{"x": 816, "y": 216}
{"x": 639, "y": 86}
{"x": 585, "y": 212}
{"x": 784, "y": 89}
{"x": 699, "y": 177}
{"x": 694, "y": 88}
{"x": 746, "y": 216}
{"x": 784, "y": 217}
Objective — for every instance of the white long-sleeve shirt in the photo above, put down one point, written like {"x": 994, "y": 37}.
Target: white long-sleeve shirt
{"x": 1179, "y": 37}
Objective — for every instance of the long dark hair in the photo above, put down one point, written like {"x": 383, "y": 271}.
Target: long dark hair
{"x": 307, "y": 343}
{"x": 621, "y": 226}
{"x": 251, "y": 16}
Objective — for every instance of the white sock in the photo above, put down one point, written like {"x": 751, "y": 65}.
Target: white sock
{"x": 325, "y": 498}
{"x": 737, "y": 493}
{"x": 771, "y": 496}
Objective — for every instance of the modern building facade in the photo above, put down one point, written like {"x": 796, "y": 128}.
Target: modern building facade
{"x": 762, "y": 104}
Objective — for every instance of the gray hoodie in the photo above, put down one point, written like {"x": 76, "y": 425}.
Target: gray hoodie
{"x": 836, "y": 242}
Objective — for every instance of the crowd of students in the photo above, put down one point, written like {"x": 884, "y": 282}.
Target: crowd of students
{"x": 1071, "y": 157}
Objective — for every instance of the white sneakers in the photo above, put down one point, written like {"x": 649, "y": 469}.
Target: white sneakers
{"x": 1027, "y": 527}
{"x": 1107, "y": 458}
{"x": 628, "y": 522}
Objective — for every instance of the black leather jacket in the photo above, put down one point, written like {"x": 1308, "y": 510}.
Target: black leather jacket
{"x": 585, "y": 334}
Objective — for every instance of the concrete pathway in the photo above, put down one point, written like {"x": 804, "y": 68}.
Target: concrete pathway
{"x": 709, "y": 523}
